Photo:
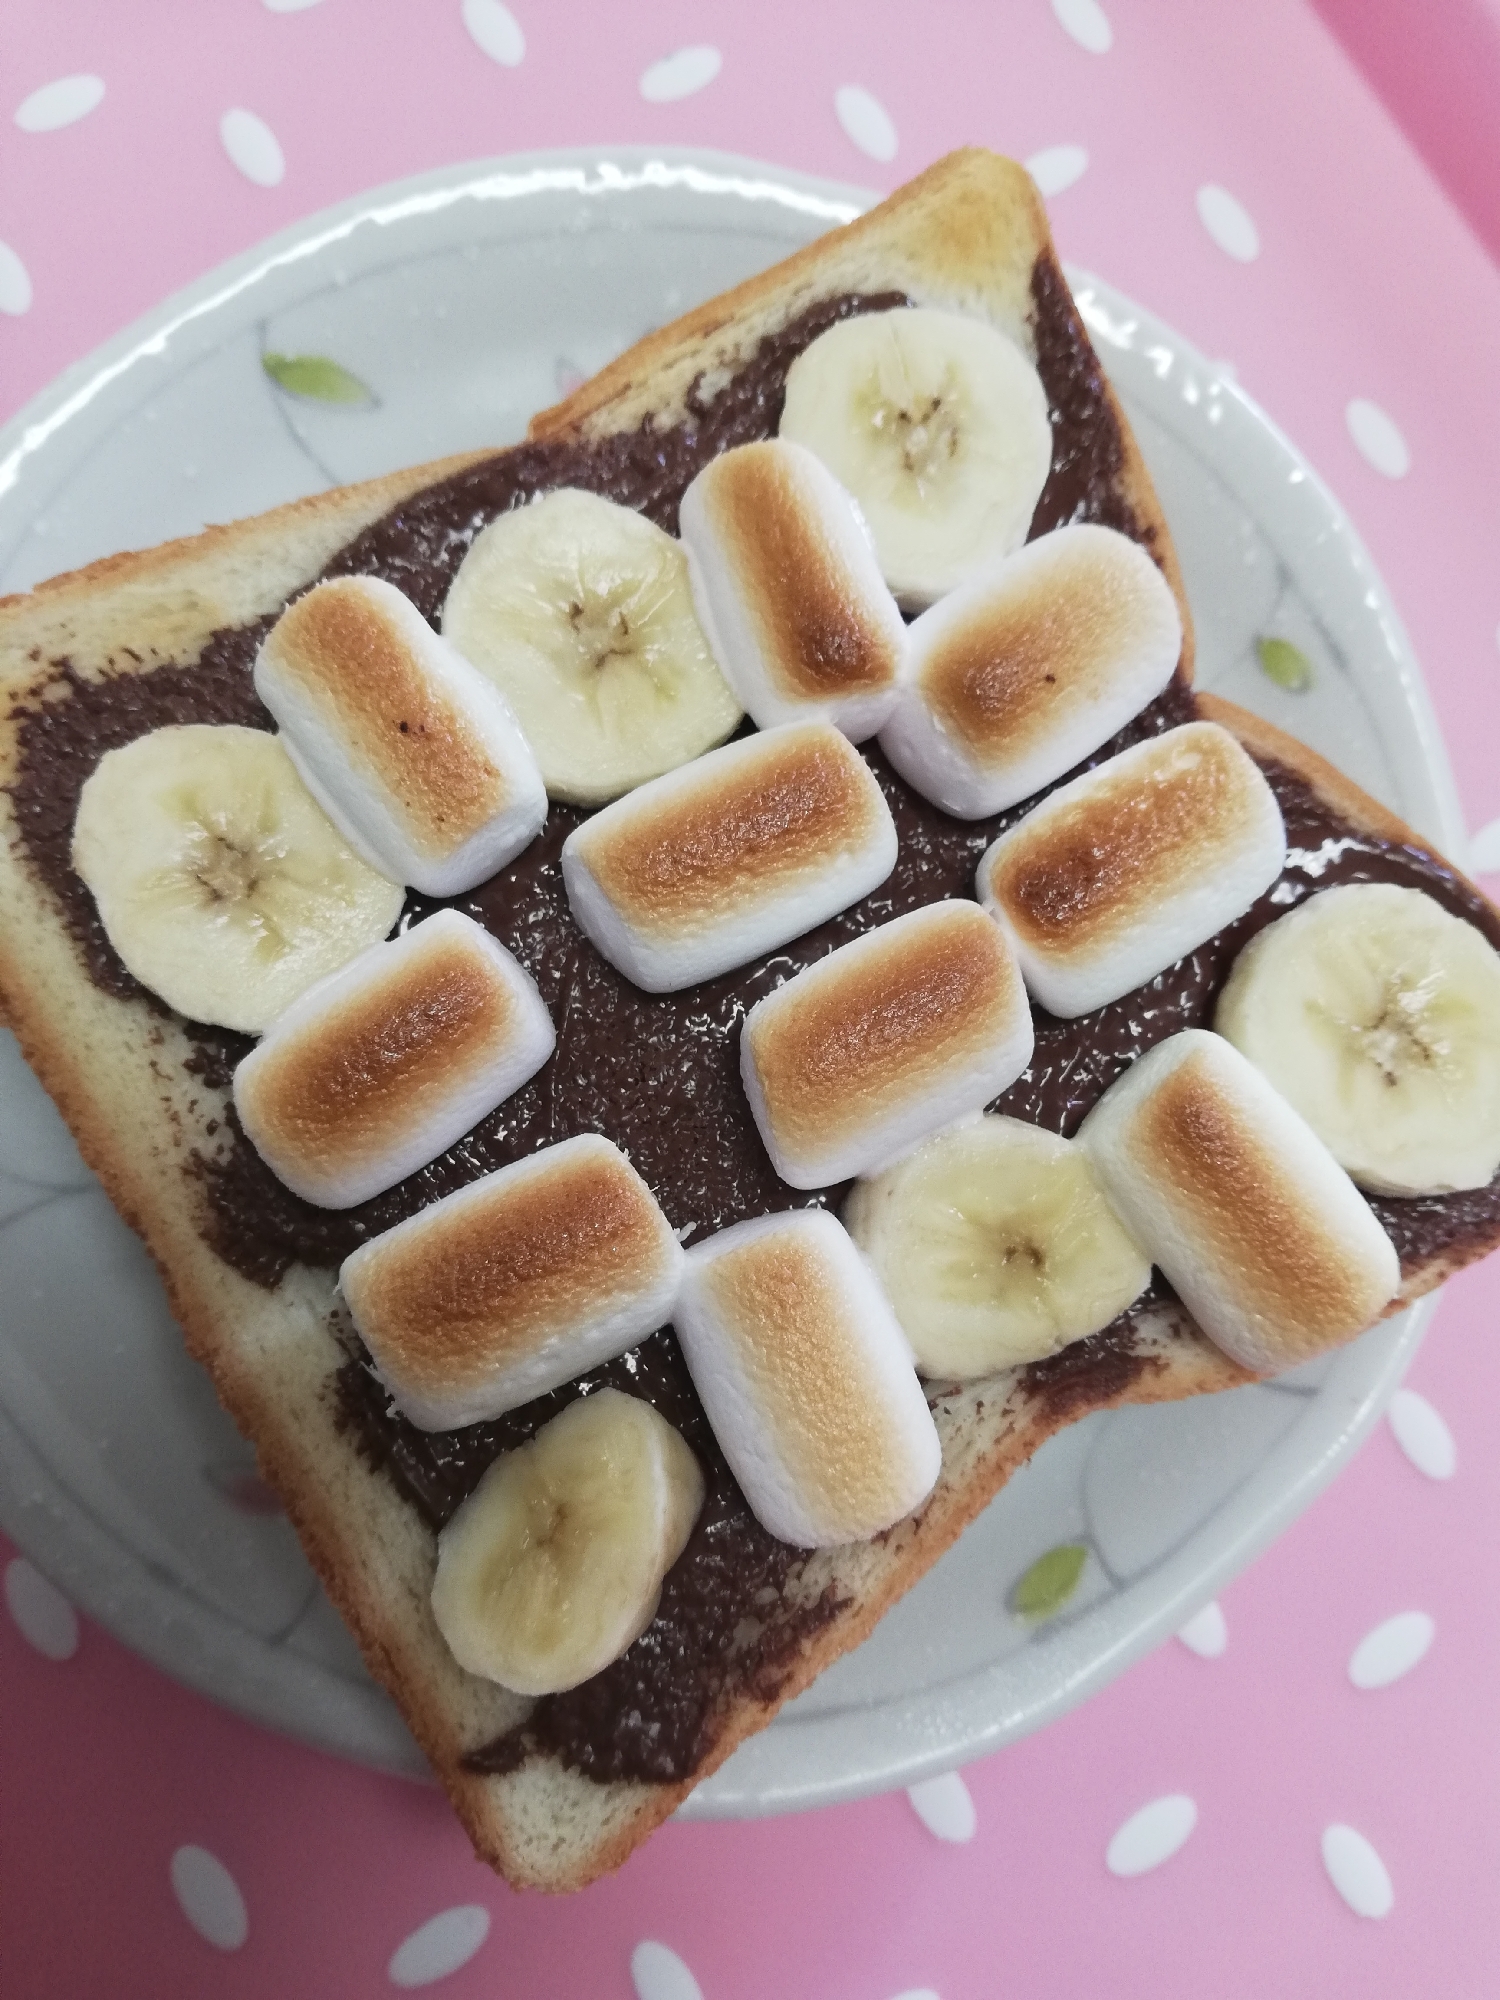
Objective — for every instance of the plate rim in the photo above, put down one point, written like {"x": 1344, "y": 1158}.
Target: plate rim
{"x": 552, "y": 169}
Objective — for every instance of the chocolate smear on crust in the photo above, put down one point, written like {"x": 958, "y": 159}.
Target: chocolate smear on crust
{"x": 68, "y": 725}
{"x": 1088, "y": 452}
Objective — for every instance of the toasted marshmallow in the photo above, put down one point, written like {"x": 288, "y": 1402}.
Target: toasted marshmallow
{"x": 377, "y": 1069}
{"x": 1265, "y": 1238}
{"x": 414, "y": 755}
{"x": 1125, "y": 870}
{"x": 515, "y": 1284}
{"x": 858, "y": 1058}
{"x": 1017, "y": 676}
{"x": 729, "y": 856}
{"x": 807, "y": 1379}
{"x": 788, "y": 589}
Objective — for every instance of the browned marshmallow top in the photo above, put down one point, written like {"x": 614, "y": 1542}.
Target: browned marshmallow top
{"x": 1005, "y": 679}
{"x": 348, "y": 655}
{"x": 817, "y": 637}
{"x": 1079, "y": 873}
{"x": 352, "y": 1083}
{"x": 858, "y": 1036}
{"x": 739, "y": 826}
{"x": 1231, "y": 1194}
{"x": 795, "y": 1335}
{"x": 493, "y": 1276}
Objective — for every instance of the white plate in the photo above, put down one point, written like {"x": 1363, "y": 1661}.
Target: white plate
{"x": 461, "y": 302}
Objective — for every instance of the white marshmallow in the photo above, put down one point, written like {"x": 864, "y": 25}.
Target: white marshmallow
{"x": 377, "y": 1069}
{"x": 788, "y": 589}
{"x": 1265, "y": 1238}
{"x": 414, "y": 755}
{"x": 727, "y": 857}
{"x": 807, "y": 1379}
{"x": 514, "y": 1284}
{"x": 1125, "y": 870}
{"x": 859, "y": 1057}
{"x": 1018, "y": 675}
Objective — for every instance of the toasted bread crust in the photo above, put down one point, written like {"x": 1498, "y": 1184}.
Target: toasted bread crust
{"x": 967, "y": 233}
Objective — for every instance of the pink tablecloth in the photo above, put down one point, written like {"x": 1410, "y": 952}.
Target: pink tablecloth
{"x": 156, "y": 1845}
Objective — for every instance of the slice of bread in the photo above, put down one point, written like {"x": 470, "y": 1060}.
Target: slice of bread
{"x": 969, "y": 235}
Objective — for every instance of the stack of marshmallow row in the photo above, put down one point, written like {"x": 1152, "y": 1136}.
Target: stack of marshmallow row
{"x": 533, "y": 1275}
{"x": 728, "y": 856}
{"x": 738, "y": 851}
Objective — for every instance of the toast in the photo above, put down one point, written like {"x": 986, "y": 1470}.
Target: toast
{"x": 91, "y": 660}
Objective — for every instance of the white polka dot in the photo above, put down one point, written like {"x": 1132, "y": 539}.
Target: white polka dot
{"x": 495, "y": 30}
{"x": 1422, "y": 1434}
{"x": 1484, "y": 849}
{"x": 1357, "y": 1872}
{"x": 1152, "y": 1836}
{"x": 1229, "y": 223}
{"x": 253, "y": 147}
{"x": 61, "y": 103}
{"x": 440, "y": 1946}
{"x": 866, "y": 121}
{"x": 209, "y": 1897}
{"x": 1206, "y": 1633}
{"x": 1378, "y": 438}
{"x": 944, "y": 1807}
{"x": 1391, "y": 1650}
{"x": 1057, "y": 167}
{"x": 43, "y": 1615}
{"x": 15, "y": 282}
{"x": 659, "y": 1974}
{"x": 1088, "y": 24}
{"x": 680, "y": 75}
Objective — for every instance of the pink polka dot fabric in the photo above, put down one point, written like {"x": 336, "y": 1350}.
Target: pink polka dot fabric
{"x": 1297, "y": 1797}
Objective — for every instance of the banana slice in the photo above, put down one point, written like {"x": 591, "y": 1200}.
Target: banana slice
{"x": 220, "y": 881}
{"x": 582, "y": 614}
{"x": 554, "y": 1563}
{"x": 938, "y": 426}
{"x": 996, "y": 1246}
{"x": 1377, "y": 1015}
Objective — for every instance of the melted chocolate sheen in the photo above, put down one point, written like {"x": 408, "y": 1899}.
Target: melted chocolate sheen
{"x": 659, "y": 1072}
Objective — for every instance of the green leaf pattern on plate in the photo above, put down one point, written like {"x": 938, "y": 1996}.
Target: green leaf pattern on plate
{"x": 1286, "y": 664}
{"x": 1052, "y": 1579}
{"x": 317, "y": 379}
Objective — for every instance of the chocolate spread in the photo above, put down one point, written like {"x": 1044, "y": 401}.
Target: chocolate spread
{"x": 659, "y": 1073}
